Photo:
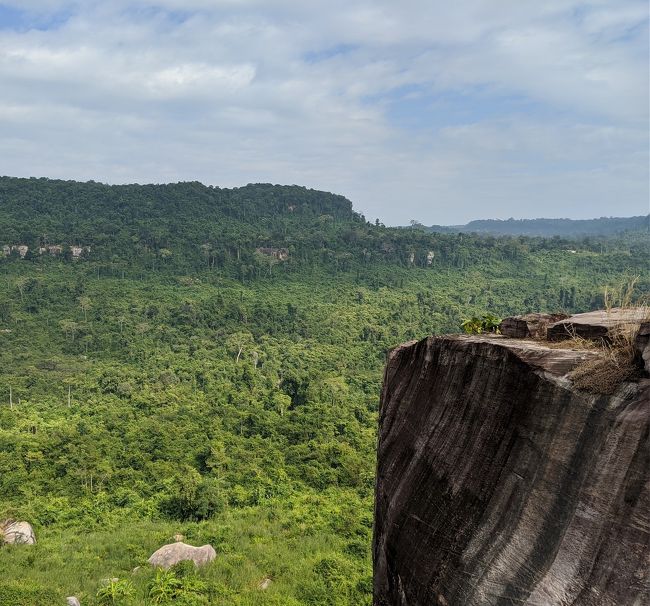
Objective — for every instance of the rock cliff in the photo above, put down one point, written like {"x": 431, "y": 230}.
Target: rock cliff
{"x": 499, "y": 482}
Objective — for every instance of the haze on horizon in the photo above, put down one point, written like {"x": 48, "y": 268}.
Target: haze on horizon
{"x": 429, "y": 111}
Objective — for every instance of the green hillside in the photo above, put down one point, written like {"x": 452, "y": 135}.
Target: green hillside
{"x": 210, "y": 365}
{"x": 568, "y": 228}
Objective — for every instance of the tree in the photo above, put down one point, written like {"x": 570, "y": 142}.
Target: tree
{"x": 86, "y": 304}
{"x": 69, "y": 327}
{"x": 237, "y": 342}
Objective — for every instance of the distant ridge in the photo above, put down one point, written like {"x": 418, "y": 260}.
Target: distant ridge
{"x": 604, "y": 226}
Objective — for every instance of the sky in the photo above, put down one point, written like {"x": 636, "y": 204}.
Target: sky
{"x": 436, "y": 111}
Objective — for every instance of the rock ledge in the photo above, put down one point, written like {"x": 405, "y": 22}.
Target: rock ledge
{"x": 499, "y": 482}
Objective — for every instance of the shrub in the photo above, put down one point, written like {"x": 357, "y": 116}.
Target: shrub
{"x": 14, "y": 593}
{"x": 115, "y": 591}
{"x": 193, "y": 497}
{"x": 476, "y": 325}
{"x": 164, "y": 587}
{"x": 178, "y": 585}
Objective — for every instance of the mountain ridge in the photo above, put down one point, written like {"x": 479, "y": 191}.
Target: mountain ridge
{"x": 548, "y": 227}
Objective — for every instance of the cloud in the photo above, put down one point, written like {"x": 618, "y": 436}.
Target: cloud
{"x": 437, "y": 111}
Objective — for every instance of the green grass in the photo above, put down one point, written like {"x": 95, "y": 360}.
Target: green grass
{"x": 301, "y": 545}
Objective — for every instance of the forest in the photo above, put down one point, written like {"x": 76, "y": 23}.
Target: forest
{"x": 604, "y": 226}
{"x": 183, "y": 359}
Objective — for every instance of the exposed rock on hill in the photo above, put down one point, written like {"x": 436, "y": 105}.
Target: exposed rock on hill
{"x": 596, "y": 325}
{"x": 499, "y": 482}
{"x": 529, "y": 326}
{"x": 18, "y": 533}
{"x": 642, "y": 346}
{"x": 171, "y": 554}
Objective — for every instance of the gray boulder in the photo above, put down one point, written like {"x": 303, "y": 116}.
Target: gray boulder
{"x": 171, "y": 554}
{"x": 17, "y": 533}
{"x": 72, "y": 601}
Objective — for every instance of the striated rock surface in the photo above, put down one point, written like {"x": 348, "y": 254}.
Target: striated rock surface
{"x": 596, "y": 325}
{"x": 17, "y": 533}
{"x": 642, "y": 346}
{"x": 171, "y": 554}
{"x": 499, "y": 483}
{"x": 529, "y": 325}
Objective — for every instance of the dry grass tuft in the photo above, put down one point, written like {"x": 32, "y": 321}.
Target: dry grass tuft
{"x": 621, "y": 296}
{"x": 605, "y": 374}
{"x": 615, "y": 365}
{"x": 617, "y": 362}
{"x": 575, "y": 342}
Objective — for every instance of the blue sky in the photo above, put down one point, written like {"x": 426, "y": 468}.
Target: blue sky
{"x": 437, "y": 111}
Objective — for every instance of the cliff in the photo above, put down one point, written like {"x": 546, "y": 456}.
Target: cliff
{"x": 500, "y": 482}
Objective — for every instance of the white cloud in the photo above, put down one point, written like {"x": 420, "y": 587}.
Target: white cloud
{"x": 230, "y": 92}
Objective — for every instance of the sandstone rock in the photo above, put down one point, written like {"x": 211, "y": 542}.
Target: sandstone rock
{"x": 72, "y": 601}
{"x": 529, "y": 326}
{"x": 171, "y": 554}
{"x": 498, "y": 482}
{"x": 265, "y": 583}
{"x": 600, "y": 325}
{"x": 642, "y": 346}
{"x": 18, "y": 533}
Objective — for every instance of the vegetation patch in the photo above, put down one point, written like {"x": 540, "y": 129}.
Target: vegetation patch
{"x": 606, "y": 373}
{"x": 175, "y": 380}
{"x": 25, "y": 593}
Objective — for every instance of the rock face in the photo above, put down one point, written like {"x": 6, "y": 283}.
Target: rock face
{"x": 17, "y": 533}
{"x": 529, "y": 326}
{"x": 171, "y": 554}
{"x": 500, "y": 483}
{"x": 642, "y": 346}
{"x": 596, "y": 325}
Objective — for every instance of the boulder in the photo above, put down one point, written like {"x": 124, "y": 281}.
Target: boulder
{"x": 72, "y": 601}
{"x": 602, "y": 325}
{"x": 17, "y": 533}
{"x": 529, "y": 326}
{"x": 171, "y": 554}
{"x": 264, "y": 584}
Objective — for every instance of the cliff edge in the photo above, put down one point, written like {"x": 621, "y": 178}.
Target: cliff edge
{"x": 501, "y": 482}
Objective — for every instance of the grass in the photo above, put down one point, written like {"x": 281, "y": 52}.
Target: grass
{"x": 252, "y": 545}
{"x": 606, "y": 373}
{"x": 617, "y": 362}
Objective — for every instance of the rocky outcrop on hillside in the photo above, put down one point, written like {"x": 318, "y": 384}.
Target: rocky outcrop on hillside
{"x": 602, "y": 325}
{"x": 642, "y": 346}
{"x": 169, "y": 555}
{"x": 532, "y": 326}
{"x": 500, "y": 482}
{"x": 17, "y": 533}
